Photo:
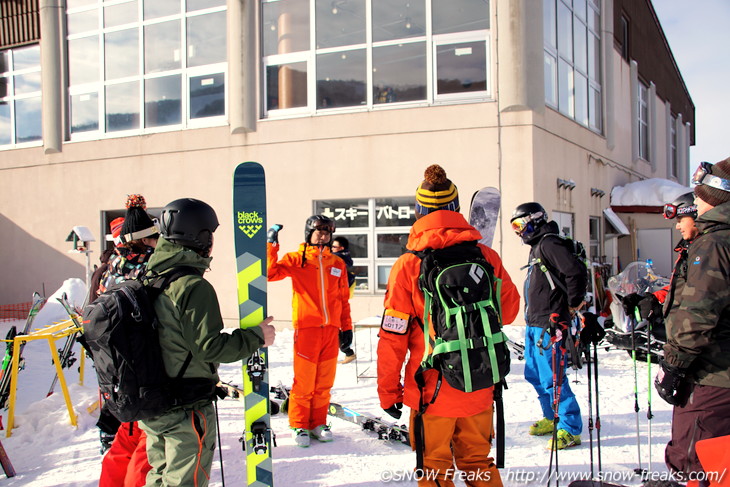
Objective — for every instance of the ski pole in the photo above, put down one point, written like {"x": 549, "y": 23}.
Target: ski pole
{"x": 649, "y": 414}
{"x": 598, "y": 412}
{"x": 640, "y": 470}
{"x": 220, "y": 446}
{"x": 590, "y": 405}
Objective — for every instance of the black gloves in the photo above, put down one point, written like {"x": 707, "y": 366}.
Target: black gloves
{"x": 650, "y": 308}
{"x": 672, "y": 385}
{"x": 345, "y": 340}
{"x": 272, "y": 236}
{"x": 592, "y": 331}
{"x": 395, "y": 410}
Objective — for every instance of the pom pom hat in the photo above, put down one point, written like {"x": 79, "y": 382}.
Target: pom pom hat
{"x": 436, "y": 192}
{"x": 708, "y": 188}
{"x": 137, "y": 223}
{"x": 116, "y": 228}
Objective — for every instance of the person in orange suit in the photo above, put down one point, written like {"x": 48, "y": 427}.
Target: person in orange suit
{"x": 458, "y": 426}
{"x": 321, "y": 319}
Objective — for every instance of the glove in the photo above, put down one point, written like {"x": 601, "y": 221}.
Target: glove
{"x": 272, "y": 236}
{"x": 650, "y": 309}
{"x": 629, "y": 303}
{"x": 592, "y": 331}
{"x": 395, "y": 410}
{"x": 345, "y": 340}
{"x": 671, "y": 384}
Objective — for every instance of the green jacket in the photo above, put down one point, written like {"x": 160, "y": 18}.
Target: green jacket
{"x": 190, "y": 318}
{"x": 698, "y": 330}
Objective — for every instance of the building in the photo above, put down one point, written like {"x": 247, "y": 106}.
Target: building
{"x": 345, "y": 102}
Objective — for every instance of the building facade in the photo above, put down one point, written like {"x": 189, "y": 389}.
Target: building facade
{"x": 344, "y": 102}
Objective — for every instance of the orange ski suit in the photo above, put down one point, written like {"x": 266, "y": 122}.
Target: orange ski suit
{"x": 320, "y": 308}
{"x": 458, "y": 425}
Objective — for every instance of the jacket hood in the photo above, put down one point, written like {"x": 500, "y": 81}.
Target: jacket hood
{"x": 549, "y": 227}
{"x": 169, "y": 254}
{"x": 440, "y": 229}
{"x": 719, "y": 215}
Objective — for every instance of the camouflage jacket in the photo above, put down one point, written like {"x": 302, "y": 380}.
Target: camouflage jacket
{"x": 698, "y": 329}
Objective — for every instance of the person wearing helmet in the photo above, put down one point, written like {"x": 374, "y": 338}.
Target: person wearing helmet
{"x": 547, "y": 306}
{"x": 181, "y": 441}
{"x": 321, "y": 319}
{"x": 694, "y": 374}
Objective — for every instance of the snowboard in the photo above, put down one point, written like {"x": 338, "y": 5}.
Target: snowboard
{"x": 6, "y": 373}
{"x": 384, "y": 429}
{"x": 249, "y": 222}
{"x": 484, "y": 212}
{"x": 5, "y": 462}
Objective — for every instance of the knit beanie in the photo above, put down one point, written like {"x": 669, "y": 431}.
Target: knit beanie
{"x": 715, "y": 196}
{"x": 116, "y": 228}
{"x": 137, "y": 223}
{"x": 436, "y": 192}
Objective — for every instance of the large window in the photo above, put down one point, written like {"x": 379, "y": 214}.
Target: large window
{"x": 673, "y": 155}
{"x": 572, "y": 38}
{"x": 323, "y": 55}
{"x": 20, "y": 96}
{"x": 146, "y": 65}
{"x": 377, "y": 229}
{"x": 642, "y": 121}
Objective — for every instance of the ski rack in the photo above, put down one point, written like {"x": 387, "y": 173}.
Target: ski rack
{"x": 50, "y": 333}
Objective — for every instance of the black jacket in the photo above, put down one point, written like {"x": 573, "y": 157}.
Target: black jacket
{"x": 540, "y": 300}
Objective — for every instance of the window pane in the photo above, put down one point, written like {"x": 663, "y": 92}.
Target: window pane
{"x": 461, "y": 68}
{"x": 207, "y": 39}
{"x": 26, "y": 57}
{"x": 121, "y": 54}
{"x": 286, "y": 86}
{"x": 27, "y": 83}
{"x": 565, "y": 88}
{"x": 548, "y": 23}
{"x": 340, "y": 22}
{"x": 398, "y": 19}
{"x": 391, "y": 244}
{"x": 595, "y": 109}
{"x": 579, "y": 7}
{"x": 594, "y": 58}
{"x": 201, "y": 4}
{"x": 395, "y": 212}
{"x": 551, "y": 80}
{"x": 162, "y": 47}
{"x": 83, "y": 21}
{"x": 565, "y": 32}
{"x": 83, "y": 55}
{"x": 5, "y": 130}
{"x": 399, "y": 73}
{"x": 459, "y": 15}
{"x": 383, "y": 273}
{"x": 28, "y": 126}
{"x": 122, "y": 107}
{"x": 358, "y": 245}
{"x": 341, "y": 79}
{"x": 78, "y": 3}
{"x": 581, "y": 62}
{"x": 285, "y": 27}
{"x": 581, "y": 98}
{"x": 160, "y": 8}
{"x": 207, "y": 96}
{"x": 346, "y": 213}
{"x": 594, "y": 20}
{"x": 361, "y": 277}
{"x": 84, "y": 112}
{"x": 4, "y": 61}
{"x": 124, "y": 13}
{"x": 162, "y": 101}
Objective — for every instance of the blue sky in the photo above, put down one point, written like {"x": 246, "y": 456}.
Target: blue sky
{"x": 699, "y": 37}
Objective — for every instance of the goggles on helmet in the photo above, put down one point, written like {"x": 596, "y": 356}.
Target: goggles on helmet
{"x": 520, "y": 224}
{"x": 703, "y": 175}
{"x": 674, "y": 211}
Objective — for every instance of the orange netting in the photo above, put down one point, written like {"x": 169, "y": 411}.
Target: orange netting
{"x": 18, "y": 311}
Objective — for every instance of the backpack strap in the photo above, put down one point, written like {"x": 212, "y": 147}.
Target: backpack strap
{"x": 543, "y": 265}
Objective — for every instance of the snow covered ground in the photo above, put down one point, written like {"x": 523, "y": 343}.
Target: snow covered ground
{"x": 47, "y": 451}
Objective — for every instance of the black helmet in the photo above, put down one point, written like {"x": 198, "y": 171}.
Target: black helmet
{"x": 528, "y": 217}
{"x": 318, "y": 222}
{"x": 684, "y": 205}
{"x": 189, "y": 222}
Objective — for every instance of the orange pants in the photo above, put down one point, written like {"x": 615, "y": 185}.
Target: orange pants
{"x": 125, "y": 464}
{"x": 315, "y": 364}
{"x": 466, "y": 441}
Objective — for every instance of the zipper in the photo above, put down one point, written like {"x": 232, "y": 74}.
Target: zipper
{"x": 322, "y": 282}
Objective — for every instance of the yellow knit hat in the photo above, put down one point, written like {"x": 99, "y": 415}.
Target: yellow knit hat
{"x": 436, "y": 192}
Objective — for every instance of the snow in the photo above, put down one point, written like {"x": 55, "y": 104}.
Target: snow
{"x": 47, "y": 451}
{"x": 649, "y": 192}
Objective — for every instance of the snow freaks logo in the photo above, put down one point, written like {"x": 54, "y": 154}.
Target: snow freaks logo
{"x": 250, "y": 222}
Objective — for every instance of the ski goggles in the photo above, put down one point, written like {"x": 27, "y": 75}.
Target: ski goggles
{"x": 520, "y": 224}
{"x": 674, "y": 211}
{"x": 703, "y": 175}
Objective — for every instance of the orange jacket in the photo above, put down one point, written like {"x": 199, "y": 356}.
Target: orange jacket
{"x": 321, "y": 291}
{"x": 404, "y": 309}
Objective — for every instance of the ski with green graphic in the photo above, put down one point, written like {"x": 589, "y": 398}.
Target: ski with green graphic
{"x": 249, "y": 221}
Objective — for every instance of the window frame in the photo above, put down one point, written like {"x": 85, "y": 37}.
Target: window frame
{"x": 643, "y": 124}
{"x": 11, "y": 98}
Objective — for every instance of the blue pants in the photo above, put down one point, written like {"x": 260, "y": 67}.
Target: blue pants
{"x": 539, "y": 373}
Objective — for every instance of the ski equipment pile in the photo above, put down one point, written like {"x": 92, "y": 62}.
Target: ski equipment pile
{"x": 66, "y": 354}
{"x": 385, "y": 430}
{"x": 249, "y": 215}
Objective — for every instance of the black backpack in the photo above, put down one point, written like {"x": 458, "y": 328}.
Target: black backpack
{"x": 121, "y": 335}
{"x": 462, "y": 300}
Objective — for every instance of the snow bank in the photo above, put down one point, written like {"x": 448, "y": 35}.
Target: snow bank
{"x": 649, "y": 192}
